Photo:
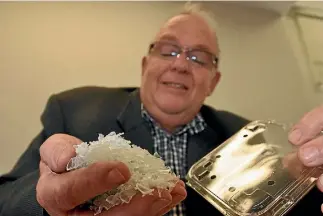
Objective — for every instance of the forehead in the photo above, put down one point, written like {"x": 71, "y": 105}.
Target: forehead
{"x": 189, "y": 30}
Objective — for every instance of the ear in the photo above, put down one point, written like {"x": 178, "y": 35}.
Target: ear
{"x": 143, "y": 65}
{"x": 214, "y": 82}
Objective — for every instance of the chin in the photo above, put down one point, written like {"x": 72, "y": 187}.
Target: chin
{"x": 171, "y": 107}
{"x": 171, "y": 103}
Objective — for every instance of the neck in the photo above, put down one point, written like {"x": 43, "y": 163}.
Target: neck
{"x": 170, "y": 122}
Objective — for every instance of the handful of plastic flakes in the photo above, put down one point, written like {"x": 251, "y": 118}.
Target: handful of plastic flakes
{"x": 148, "y": 172}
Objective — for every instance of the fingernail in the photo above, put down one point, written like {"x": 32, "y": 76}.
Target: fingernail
{"x": 295, "y": 136}
{"x": 116, "y": 177}
{"x": 160, "y": 204}
{"x": 309, "y": 154}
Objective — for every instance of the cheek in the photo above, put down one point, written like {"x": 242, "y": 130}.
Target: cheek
{"x": 202, "y": 81}
{"x": 154, "y": 70}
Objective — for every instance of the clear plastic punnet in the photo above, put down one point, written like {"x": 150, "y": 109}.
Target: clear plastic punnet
{"x": 256, "y": 172}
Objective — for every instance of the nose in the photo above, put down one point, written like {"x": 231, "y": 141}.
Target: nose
{"x": 180, "y": 63}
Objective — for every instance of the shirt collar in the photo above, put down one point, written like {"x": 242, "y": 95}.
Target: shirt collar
{"x": 195, "y": 126}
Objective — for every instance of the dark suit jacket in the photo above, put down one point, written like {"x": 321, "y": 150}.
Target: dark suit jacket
{"x": 86, "y": 112}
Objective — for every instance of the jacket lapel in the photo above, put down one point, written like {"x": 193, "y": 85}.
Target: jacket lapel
{"x": 201, "y": 144}
{"x": 135, "y": 128}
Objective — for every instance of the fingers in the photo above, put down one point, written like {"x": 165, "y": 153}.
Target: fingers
{"x": 319, "y": 183}
{"x": 293, "y": 164}
{"x": 59, "y": 193}
{"x": 180, "y": 183}
{"x": 68, "y": 190}
{"x": 308, "y": 128}
{"x": 57, "y": 150}
{"x": 151, "y": 205}
{"x": 43, "y": 168}
{"x": 142, "y": 205}
{"x": 311, "y": 153}
{"x": 179, "y": 194}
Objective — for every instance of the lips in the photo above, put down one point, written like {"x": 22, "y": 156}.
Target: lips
{"x": 176, "y": 85}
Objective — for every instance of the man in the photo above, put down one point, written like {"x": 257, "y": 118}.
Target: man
{"x": 166, "y": 115}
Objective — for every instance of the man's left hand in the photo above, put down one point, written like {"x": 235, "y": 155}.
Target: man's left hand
{"x": 307, "y": 134}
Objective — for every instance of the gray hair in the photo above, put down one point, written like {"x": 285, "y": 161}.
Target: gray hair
{"x": 196, "y": 9}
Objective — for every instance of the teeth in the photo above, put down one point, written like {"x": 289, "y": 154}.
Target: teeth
{"x": 176, "y": 85}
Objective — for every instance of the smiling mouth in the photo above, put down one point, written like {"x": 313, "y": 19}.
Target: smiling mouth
{"x": 176, "y": 85}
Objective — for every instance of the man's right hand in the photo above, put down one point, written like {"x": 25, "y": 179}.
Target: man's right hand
{"x": 60, "y": 192}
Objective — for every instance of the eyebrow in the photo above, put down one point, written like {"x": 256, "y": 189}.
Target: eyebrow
{"x": 202, "y": 47}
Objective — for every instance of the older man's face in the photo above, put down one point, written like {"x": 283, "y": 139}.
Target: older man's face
{"x": 173, "y": 84}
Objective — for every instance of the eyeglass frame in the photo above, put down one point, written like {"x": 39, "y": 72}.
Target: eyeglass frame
{"x": 186, "y": 50}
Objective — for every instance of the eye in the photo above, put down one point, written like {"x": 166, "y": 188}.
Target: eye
{"x": 173, "y": 53}
{"x": 197, "y": 60}
{"x": 168, "y": 50}
{"x": 169, "y": 53}
{"x": 200, "y": 57}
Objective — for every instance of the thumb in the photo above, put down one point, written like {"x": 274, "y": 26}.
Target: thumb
{"x": 57, "y": 151}
{"x": 75, "y": 187}
{"x": 309, "y": 127}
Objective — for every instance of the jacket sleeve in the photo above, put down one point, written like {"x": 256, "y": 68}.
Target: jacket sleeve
{"x": 18, "y": 187}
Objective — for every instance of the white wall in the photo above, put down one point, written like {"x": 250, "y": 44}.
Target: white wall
{"x": 49, "y": 47}
{"x": 306, "y": 42}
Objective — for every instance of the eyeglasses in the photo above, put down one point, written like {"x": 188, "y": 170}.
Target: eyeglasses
{"x": 198, "y": 57}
